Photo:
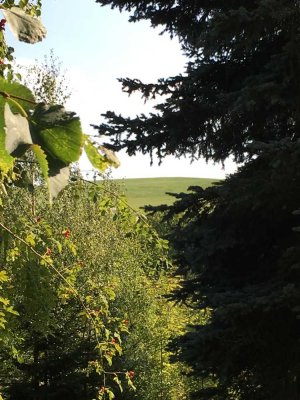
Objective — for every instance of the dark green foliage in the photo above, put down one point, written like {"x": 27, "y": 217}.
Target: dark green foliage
{"x": 238, "y": 243}
{"x": 239, "y": 248}
{"x": 54, "y": 366}
{"x": 240, "y": 85}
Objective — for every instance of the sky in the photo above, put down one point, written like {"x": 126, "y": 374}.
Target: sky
{"x": 97, "y": 45}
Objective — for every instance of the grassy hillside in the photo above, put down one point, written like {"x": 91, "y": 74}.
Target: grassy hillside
{"x": 145, "y": 191}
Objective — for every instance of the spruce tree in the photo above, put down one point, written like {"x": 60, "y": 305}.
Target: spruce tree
{"x": 237, "y": 244}
{"x": 241, "y": 82}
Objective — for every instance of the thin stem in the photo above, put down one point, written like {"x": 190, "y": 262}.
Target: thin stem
{"x": 12, "y": 96}
{"x": 115, "y": 373}
{"x": 23, "y": 112}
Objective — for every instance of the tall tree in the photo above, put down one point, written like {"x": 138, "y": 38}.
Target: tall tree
{"x": 237, "y": 243}
{"x": 47, "y": 80}
{"x": 240, "y": 85}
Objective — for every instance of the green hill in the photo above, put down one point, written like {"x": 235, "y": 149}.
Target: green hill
{"x": 152, "y": 191}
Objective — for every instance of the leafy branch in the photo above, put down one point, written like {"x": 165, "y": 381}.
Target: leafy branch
{"x": 46, "y": 259}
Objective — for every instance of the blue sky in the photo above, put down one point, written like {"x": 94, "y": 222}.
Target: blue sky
{"x": 97, "y": 45}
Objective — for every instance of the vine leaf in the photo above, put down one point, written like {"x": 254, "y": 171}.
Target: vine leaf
{"x": 58, "y": 131}
{"x": 25, "y": 27}
{"x": 98, "y": 160}
{"x": 16, "y": 130}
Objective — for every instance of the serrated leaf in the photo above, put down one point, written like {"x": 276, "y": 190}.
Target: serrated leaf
{"x": 25, "y": 27}
{"x": 16, "y": 130}
{"x": 58, "y": 131}
{"x": 98, "y": 160}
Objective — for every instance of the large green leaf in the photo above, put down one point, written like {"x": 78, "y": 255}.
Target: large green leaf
{"x": 25, "y": 27}
{"x": 58, "y": 178}
{"x": 13, "y": 93}
{"x": 16, "y": 129}
{"x": 58, "y": 132}
{"x": 19, "y": 99}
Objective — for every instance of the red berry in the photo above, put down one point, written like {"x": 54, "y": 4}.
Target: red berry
{"x": 2, "y": 24}
{"x": 66, "y": 233}
{"x": 48, "y": 251}
{"x": 130, "y": 374}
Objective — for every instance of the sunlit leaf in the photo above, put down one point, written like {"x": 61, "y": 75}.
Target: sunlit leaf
{"x": 111, "y": 395}
{"x": 118, "y": 382}
{"x": 16, "y": 96}
{"x": 58, "y": 132}
{"x": 16, "y": 130}
{"x": 42, "y": 160}
{"x": 25, "y": 27}
{"x": 6, "y": 160}
{"x": 97, "y": 159}
{"x": 3, "y": 276}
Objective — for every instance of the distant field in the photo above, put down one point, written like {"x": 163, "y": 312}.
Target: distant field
{"x": 152, "y": 191}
